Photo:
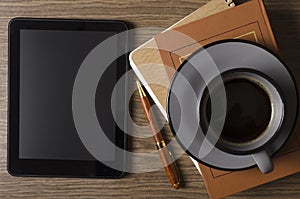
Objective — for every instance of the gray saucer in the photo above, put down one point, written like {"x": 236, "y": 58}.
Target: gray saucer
{"x": 202, "y": 67}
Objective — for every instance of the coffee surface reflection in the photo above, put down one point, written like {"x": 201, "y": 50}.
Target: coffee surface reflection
{"x": 248, "y": 111}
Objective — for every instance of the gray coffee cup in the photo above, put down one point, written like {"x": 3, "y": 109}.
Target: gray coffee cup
{"x": 245, "y": 140}
{"x": 269, "y": 114}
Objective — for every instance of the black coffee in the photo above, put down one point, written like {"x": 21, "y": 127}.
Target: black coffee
{"x": 248, "y": 111}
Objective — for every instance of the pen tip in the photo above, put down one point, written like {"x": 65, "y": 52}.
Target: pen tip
{"x": 140, "y": 89}
{"x": 138, "y": 83}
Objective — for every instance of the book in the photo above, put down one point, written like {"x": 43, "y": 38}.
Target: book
{"x": 247, "y": 21}
{"x": 144, "y": 59}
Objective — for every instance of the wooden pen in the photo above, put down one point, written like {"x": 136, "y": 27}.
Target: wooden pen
{"x": 165, "y": 156}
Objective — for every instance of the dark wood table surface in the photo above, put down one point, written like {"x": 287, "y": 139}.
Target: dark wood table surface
{"x": 285, "y": 19}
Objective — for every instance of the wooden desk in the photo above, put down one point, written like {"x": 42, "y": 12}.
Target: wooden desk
{"x": 285, "y": 18}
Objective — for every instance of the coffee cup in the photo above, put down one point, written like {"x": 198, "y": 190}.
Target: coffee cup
{"x": 254, "y": 113}
{"x": 257, "y": 112}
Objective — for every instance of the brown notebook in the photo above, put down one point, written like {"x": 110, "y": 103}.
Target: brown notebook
{"x": 247, "y": 21}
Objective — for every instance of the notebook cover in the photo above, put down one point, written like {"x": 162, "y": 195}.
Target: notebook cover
{"x": 247, "y": 21}
{"x": 144, "y": 59}
{"x": 224, "y": 183}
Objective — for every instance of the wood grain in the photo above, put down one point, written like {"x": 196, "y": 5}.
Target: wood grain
{"x": 285, "y": 18}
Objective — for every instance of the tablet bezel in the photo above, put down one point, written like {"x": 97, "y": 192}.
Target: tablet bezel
{"x": 55, "y": 168}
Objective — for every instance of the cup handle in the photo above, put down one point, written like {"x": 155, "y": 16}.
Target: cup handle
{"x": 263, "y": 161}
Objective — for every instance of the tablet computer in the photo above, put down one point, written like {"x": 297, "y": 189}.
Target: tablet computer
{"x": 44, "y": 58}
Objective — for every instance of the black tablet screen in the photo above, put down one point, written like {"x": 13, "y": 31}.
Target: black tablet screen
{"x": 49, "y": 61}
